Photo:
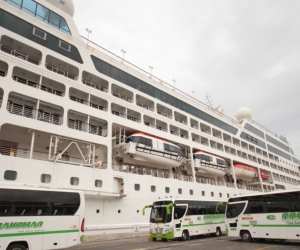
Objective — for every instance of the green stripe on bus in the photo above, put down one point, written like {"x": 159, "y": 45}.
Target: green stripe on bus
{"x": 39, "y": 233}
{"x": 266, "y": 225}
{"x": 212, "y": 223}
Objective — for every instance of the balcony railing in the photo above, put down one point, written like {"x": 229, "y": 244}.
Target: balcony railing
{"x": 123, "y": 97}
{"x": 94, "y": 85}
{"x": 19, "y": 54}
{"x": 88, "y": 128}
{"x": 145, "y": 106}
{"x": 25, "y": 81}
{"x": 42, "y": 156}
{"x": 60, "y": 72}
{"x": 31, "y": 113}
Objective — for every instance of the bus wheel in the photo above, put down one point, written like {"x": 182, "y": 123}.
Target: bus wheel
{"x": 16, "y": 247}
{"x": 164, "y": 239}
{"x": 185, "y": 235}
{"x": 246, "y": 236}
{"x": 218, "y": 232}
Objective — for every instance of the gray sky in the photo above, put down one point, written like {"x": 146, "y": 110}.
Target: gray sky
{"x": 243, "y": 53}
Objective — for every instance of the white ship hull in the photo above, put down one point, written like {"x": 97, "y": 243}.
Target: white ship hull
{"x": 67, "y": 108}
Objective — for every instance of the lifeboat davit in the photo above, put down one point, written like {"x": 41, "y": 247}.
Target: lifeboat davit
{"x": 244, "y": 172}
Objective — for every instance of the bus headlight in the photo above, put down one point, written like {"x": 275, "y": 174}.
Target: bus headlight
{"x": 167, "y": 230}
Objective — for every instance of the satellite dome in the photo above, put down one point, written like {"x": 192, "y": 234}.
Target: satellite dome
{"x": 65, "y": 5}
{"x": 243, "y": 113}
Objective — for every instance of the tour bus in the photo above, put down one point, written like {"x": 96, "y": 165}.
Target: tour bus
{"x": 34, "y": 218}
{"x": 183, "y": 218}
{"x": 274, "y": 215}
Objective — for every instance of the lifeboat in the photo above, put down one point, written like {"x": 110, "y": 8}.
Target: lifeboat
{"x": 209, "y": 165}
{"x": 264, "y": 176}
{"x": 244, "y": 172}
{"x": 148, "y": 151}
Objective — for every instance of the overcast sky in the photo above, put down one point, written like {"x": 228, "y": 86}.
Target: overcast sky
{"x": 243, "y": 53}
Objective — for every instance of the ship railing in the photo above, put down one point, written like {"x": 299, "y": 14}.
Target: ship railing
{"x": 123, "y": 97}
{"x": 132, "y": 118}
{"x": 87, "y": 127}
{"x": 161, "y": 128}
{"x": 156, "y": 79}
{"x": 94, "y": 85}
{"x": 194, "y": 126}
{"x": 145, "y": 106}
{"x": 79, "y": 100}
{"x": 181, "y": 121}
{"x": 164, "y": 114}
{"x": 25, "y": 81}
{"x": 196, "y": 140}
{"x": 53, "y": 119}
{"x": 60, "y": 72}
{"x": 51, "y": 90}
{"x": 19, "y": 54}
{"x": 44, "y": 156}
{"x": 152, "y": 125}
{"x": 206, "y": 131}
{"x": 210, "y": 165}
{"x": 21, "y": 110}
{"x": 114, "y": 112}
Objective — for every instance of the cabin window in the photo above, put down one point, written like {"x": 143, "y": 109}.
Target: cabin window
{"x": 64, "y": 45}
{"x": 10, "y": 175}
{"x": 172, "y": 148}
{"x": 139, "y": 139}
{"x": 39, "y": 33}
{"x": 153, "y": 189}
{"x": 137, "y": 187}
{"x": 221, "y": 162}
{"x": 191, "y": 191}
{"x": 179, "y": 191}
{"x": 45, "y": 178}
{"x": 203, "y": 193}
{"x": 74, "y": 181}
{"x": 220, "y": 194}
{"x": 167, "y": 189}
{"x": 98, "y": 183}
{"x": 203, "y": 157}
{"x": 212, "y": 194}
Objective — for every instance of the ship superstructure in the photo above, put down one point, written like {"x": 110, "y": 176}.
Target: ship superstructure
{"x": 74, "y": 116}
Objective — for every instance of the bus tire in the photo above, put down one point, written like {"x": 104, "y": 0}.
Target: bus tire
{"x": 218, "y": 232}
{"x": 16, "y": 247}
{"x": 164, "y": 239}
{"x": 246, "y": 236}
{"x": 185, "y": 235}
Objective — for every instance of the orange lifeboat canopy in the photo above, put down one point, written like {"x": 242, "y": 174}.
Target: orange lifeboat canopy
{"x": 244, "y": 172}
{"x": 264, "y": 176}
{"x": 241, "y": 166}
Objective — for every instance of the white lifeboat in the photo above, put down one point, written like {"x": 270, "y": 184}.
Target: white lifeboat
{"x": 209, "y": 165}
{"x": 148, "y": 151}
{"x": 244, "y": 172}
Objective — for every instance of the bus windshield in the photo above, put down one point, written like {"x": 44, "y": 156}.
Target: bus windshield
{"x": 159, "y": 212}
{"x": 235, "y": 209}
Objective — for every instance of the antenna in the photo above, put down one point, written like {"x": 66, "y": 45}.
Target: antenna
{"x": 210, "y": 103}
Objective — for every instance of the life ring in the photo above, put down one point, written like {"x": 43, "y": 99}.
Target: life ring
{"x": 122, "y": 191}
{"x": 185, "y": 178}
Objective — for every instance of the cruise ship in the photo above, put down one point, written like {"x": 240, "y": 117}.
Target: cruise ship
{"x": 75, "y": 116}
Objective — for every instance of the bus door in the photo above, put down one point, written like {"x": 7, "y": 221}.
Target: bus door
{"x": 178, "y": 218}
{"x": 234, "y": 214}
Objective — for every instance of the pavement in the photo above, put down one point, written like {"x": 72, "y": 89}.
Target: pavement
{"x": 117, "y": 236}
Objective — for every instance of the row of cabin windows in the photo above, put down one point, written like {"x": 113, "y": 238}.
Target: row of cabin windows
{"x": 11, "y": 175}
{"x": 42, "y": 13}
{"x": 137, "y": 187}
{"x": 146, "y": 88}
{"x": 39, "y": 36}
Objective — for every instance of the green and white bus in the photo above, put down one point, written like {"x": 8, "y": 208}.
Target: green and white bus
{"x": 183, "y": 218}
{"x": 32, "y": 218}
{"x": 274, "y": 215}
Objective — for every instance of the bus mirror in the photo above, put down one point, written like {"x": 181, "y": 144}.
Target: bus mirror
{"x": 144, "y": 208}
{"x": 221, "y": 203}
{"x": 169, "y": 208}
